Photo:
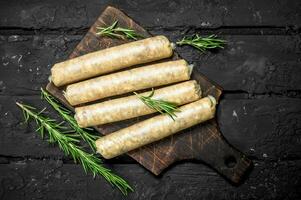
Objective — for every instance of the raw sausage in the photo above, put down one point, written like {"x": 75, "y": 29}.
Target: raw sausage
{"x": 128, "y": 81}
{"x": 155, "y": 128}
{"x": 111, "y": 59}
{"x": 131, "y": 106}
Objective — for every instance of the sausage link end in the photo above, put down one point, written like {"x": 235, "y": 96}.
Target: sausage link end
{"x": 190, "y": 68}
{"x": 213, "y": 100}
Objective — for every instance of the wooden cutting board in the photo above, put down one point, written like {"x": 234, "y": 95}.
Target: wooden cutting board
{"x": 202, "y": 142}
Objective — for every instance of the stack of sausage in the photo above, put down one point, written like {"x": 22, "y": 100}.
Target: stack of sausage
{"x": 90, "y": 78}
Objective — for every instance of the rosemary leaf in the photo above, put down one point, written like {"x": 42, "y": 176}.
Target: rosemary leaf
{"x": 68, "y": 143}
{"x": 164, "y": 107}
{"x": 202, "y": 43}
{"x": 66, "y": 115}
{"x": 117, "y": 32}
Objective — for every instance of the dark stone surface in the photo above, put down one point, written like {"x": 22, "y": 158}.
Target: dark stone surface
{"x": 259, "y": 113}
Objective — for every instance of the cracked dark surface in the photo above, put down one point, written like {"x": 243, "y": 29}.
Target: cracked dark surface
{"x": 260, "y": 71}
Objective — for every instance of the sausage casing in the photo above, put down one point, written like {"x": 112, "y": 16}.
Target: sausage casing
{"x": 155, "y": 128}
{"x": 111, "y": 59}
{"x": 131, "y": 106}
{"x": 128, "y": 81}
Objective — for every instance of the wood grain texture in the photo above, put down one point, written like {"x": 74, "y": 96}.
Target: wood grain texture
{"x": 250, "y": 64}
{"x": 76, "y": 15}
{"x": 268, "y": 126}
{"x": 53, "y": 179}
{"x": 203, "y": 142}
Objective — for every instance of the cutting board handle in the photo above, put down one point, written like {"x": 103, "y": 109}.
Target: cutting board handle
{"x": 226, "y": 160}
{"x": 235, "y": 165}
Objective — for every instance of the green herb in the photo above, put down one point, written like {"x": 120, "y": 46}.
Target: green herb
{"x": 68, "y": 142}
{"x": 159, "y": 105}
{"x": 66, "y": 115}
{"x": 203, "y": 43}
{"x": 117, "y": 32}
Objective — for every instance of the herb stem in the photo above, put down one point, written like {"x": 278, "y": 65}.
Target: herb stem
{"x": 163, "y": 107}
{"x": 202, "y": 43}
{"x": 66, "y": 115}
{"x": 117, "y": 32}
{"x": 67, "y": 142}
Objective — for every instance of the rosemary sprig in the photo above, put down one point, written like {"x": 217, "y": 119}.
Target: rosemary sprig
{"x": 117, "y": 32}
{"x": 203, "y": 43}
{"x": 68, "y": 143}
{"x": 161, "y": 106}
{"x": 66, "y": 115}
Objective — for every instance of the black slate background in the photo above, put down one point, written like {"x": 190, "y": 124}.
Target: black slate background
{"x": 260, "y": 112}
